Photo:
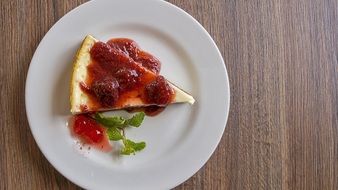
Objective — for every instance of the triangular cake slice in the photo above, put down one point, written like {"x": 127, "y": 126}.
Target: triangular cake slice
{"x": 119, "y": 75}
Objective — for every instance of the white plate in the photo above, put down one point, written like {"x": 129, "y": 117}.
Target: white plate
{"x": 179, "y": 141}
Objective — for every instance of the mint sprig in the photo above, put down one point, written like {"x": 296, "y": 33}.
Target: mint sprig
{"x": 131, "y": 147}
{"x": 115, "y": 130}
{"x": 136, "y": 120}
{"x": 114, "y": 134}
{"x": 118, "y": 121}
{"x": 114, "y": 121}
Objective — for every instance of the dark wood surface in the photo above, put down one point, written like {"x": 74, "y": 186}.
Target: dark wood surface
{"x": 281, "y": 57}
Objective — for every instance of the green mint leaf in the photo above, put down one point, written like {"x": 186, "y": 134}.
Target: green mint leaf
{"x": 131, "y": 147}
{"x": 136, "y": 120}
{"x": 127, "y": 151}
{"x": 113, "y": 121}
{"x": 114, "y": 134}
{"x": 139, "y": 146}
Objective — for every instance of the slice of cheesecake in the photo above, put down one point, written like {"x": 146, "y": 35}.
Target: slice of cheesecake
{"x": 119, "y": 75}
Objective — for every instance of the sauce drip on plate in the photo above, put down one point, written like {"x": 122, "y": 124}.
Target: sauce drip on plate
{"x": 89, "y": 131}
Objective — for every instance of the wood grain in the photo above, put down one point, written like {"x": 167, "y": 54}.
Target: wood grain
{"x": 282, "y": 60}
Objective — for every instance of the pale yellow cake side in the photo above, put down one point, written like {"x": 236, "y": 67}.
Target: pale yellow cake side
{"x": 81, "y": 61}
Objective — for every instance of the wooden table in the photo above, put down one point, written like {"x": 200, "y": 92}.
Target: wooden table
{"x": 281, "y": 57}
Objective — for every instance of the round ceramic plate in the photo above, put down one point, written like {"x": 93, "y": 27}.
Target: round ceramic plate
{"x": 179, "y": 141}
